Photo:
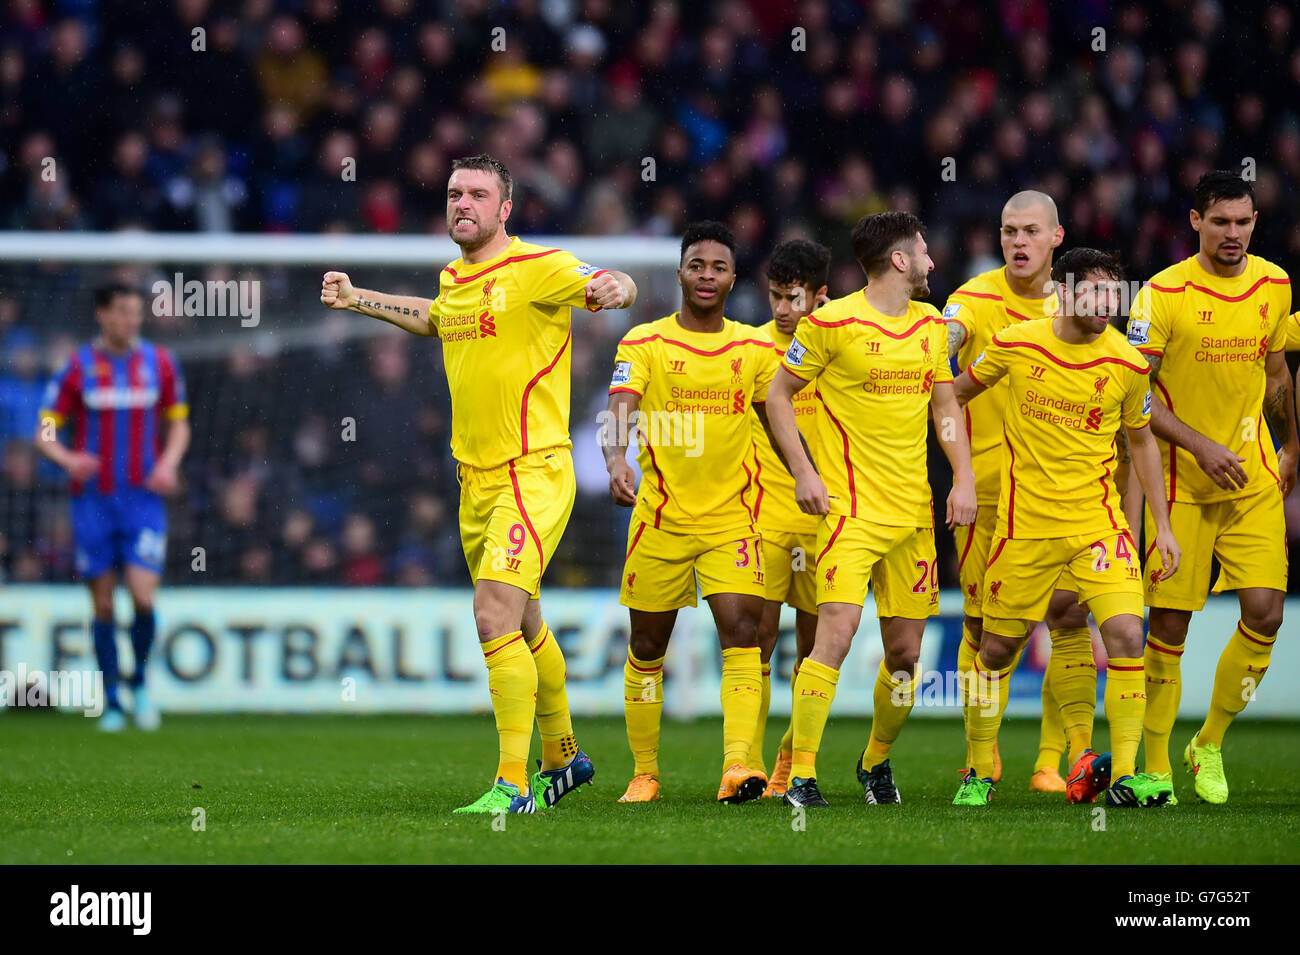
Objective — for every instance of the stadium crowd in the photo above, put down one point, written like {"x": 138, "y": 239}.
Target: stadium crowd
{"x": 780, "y": 119}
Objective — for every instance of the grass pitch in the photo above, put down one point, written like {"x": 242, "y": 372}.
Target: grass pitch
{"x": 289, "y": 789}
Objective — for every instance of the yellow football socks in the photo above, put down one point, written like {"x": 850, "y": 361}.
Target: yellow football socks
{"x": 1161, "y": 662}
{"x": 787, "y": 740}
{"x": 988, "y": 693}
{"x": 755, "y": 760}
{"x": 742, "y": 692}
{"x": 1126, "y": 701}
{"x": 643, "y": 705}
{"x": 1242, "y": 665}
{"x": 893, "y": 700}
{"x": 512, "y": 681}
{"x": 814, "y": 689}
{"x": 965, "y": 668}
{"x": 1072, "y": 678}
{"x": 553, "y": 720}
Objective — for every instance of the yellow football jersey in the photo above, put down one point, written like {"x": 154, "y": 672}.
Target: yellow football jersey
{"x": 775, "y": 506}
{"x": 984, "y": 306}
{"x": 1214, "y": 335}
{"x": 505, "y": 326}
{"x": 874, "y": 376}
{"x": 696, "y": 450}
{"x": 1292, "y": 338}
{"x": 1063, "y": 404}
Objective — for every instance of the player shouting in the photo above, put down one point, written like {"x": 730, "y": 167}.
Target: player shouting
{"x": 1212, "y": 328}
{"x": 1072, "y": 383}
{"x": 503, "y": 314}
{"x": 688, "y": 381}
{"x": 880, "y": 360}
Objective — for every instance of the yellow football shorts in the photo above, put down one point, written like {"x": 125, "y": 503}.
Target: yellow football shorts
{"x": 898, "y": 562}
{"x": 1247, "y": 534}
{"x": 790, "y": 567}
{"x": 513, "y": 516}
{"x": 973, "y": 542}
{"x": 662, "y": 569}
{"x": 1105, "y": 569}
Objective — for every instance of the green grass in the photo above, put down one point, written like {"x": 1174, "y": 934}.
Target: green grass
{"x": 381, "y": 789}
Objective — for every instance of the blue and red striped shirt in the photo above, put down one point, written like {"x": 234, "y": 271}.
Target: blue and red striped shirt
{"x": 113, "y": 404}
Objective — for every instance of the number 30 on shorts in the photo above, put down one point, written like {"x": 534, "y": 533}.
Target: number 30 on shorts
{"x": 1122, "y": 549}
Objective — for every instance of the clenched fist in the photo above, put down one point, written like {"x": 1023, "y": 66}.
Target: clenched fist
{"x": 336, "y": 290}
{"x": 604, "y": 291}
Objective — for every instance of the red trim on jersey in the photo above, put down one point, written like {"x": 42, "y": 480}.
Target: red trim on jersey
{"x": 659, "y": 474}
{"x": 1011, "y": 496}
{"x": 1173, "y": 449}
{"x": 970, "y": 370}
{"x": 1263, "y": 643}
{"x": 697, "y": 351}
{"x": 630, "y": 391}
{"x": 749, "y": 479}
{"x": 1105, "y": 489}
{"x": 1219, "y": 295}
{"x": 758, "y": 479}
{"x": 830, "y": 543}
{"x": 523, "y": 408}
{"x": 135, "y": 425}
{"x": 1149, "y": 551}
{"x": 1107, "y": 360}
{"x": 1131, "y": 542}
{"x": 989, "y": 295}
{"x": 504, "y": 645}
{"x": 997, "y": 553}
{"x": 492, "y": 268}
{"x": 635, "y": 540}
{"x": 848, "y": 463}
{"x": 970, "y": 539}
{"x": 587, "y": 296}
{"x": 519, "y": 500}
{"x": 1156, "y": 352}
{"x": 794, "y": 373}
{"x": 1021, "y": 318}
{"x": 1259, "y": 439}
{"x": 862, "y": 321}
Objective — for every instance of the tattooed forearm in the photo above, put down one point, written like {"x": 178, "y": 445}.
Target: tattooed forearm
{"x": 956, "y": 336}
{"x": 367, "y": 307}
{"x": 1278, "y": 413}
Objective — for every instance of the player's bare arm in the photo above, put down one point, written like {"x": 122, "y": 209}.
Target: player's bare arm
{"x": 1280, "y": 413}
{"x": 809, "y": 488}
{"x": 613, "y": 439}
{"x": 965, "y": 388}
{"x": 1130, "y": 491}
{"x": 1216, "y": 460}
{"x": 760, "y": 409}
{"x": 956, "y": 337}
{"x": 612, "y": 290}
{"x": 164, "y": 478}
{"x": 1150, "y": 474}
{"x": 948, "y": 425}
{"x": 80, "y": 465}
{"x": 408, "y": 312}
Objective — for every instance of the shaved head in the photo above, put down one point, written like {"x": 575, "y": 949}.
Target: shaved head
{"x": 1031, "y": 199}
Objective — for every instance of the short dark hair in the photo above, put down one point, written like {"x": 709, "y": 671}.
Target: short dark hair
{"x": 1077, "y": 263}
{"x": 705, "y": 230}
{"x": 876, "y": 237}
{"x": 1220, "y": 184}
{"x": 485, "y": 163}
{"x": 104, "y": 294}
{"x": 800, "y": 262}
